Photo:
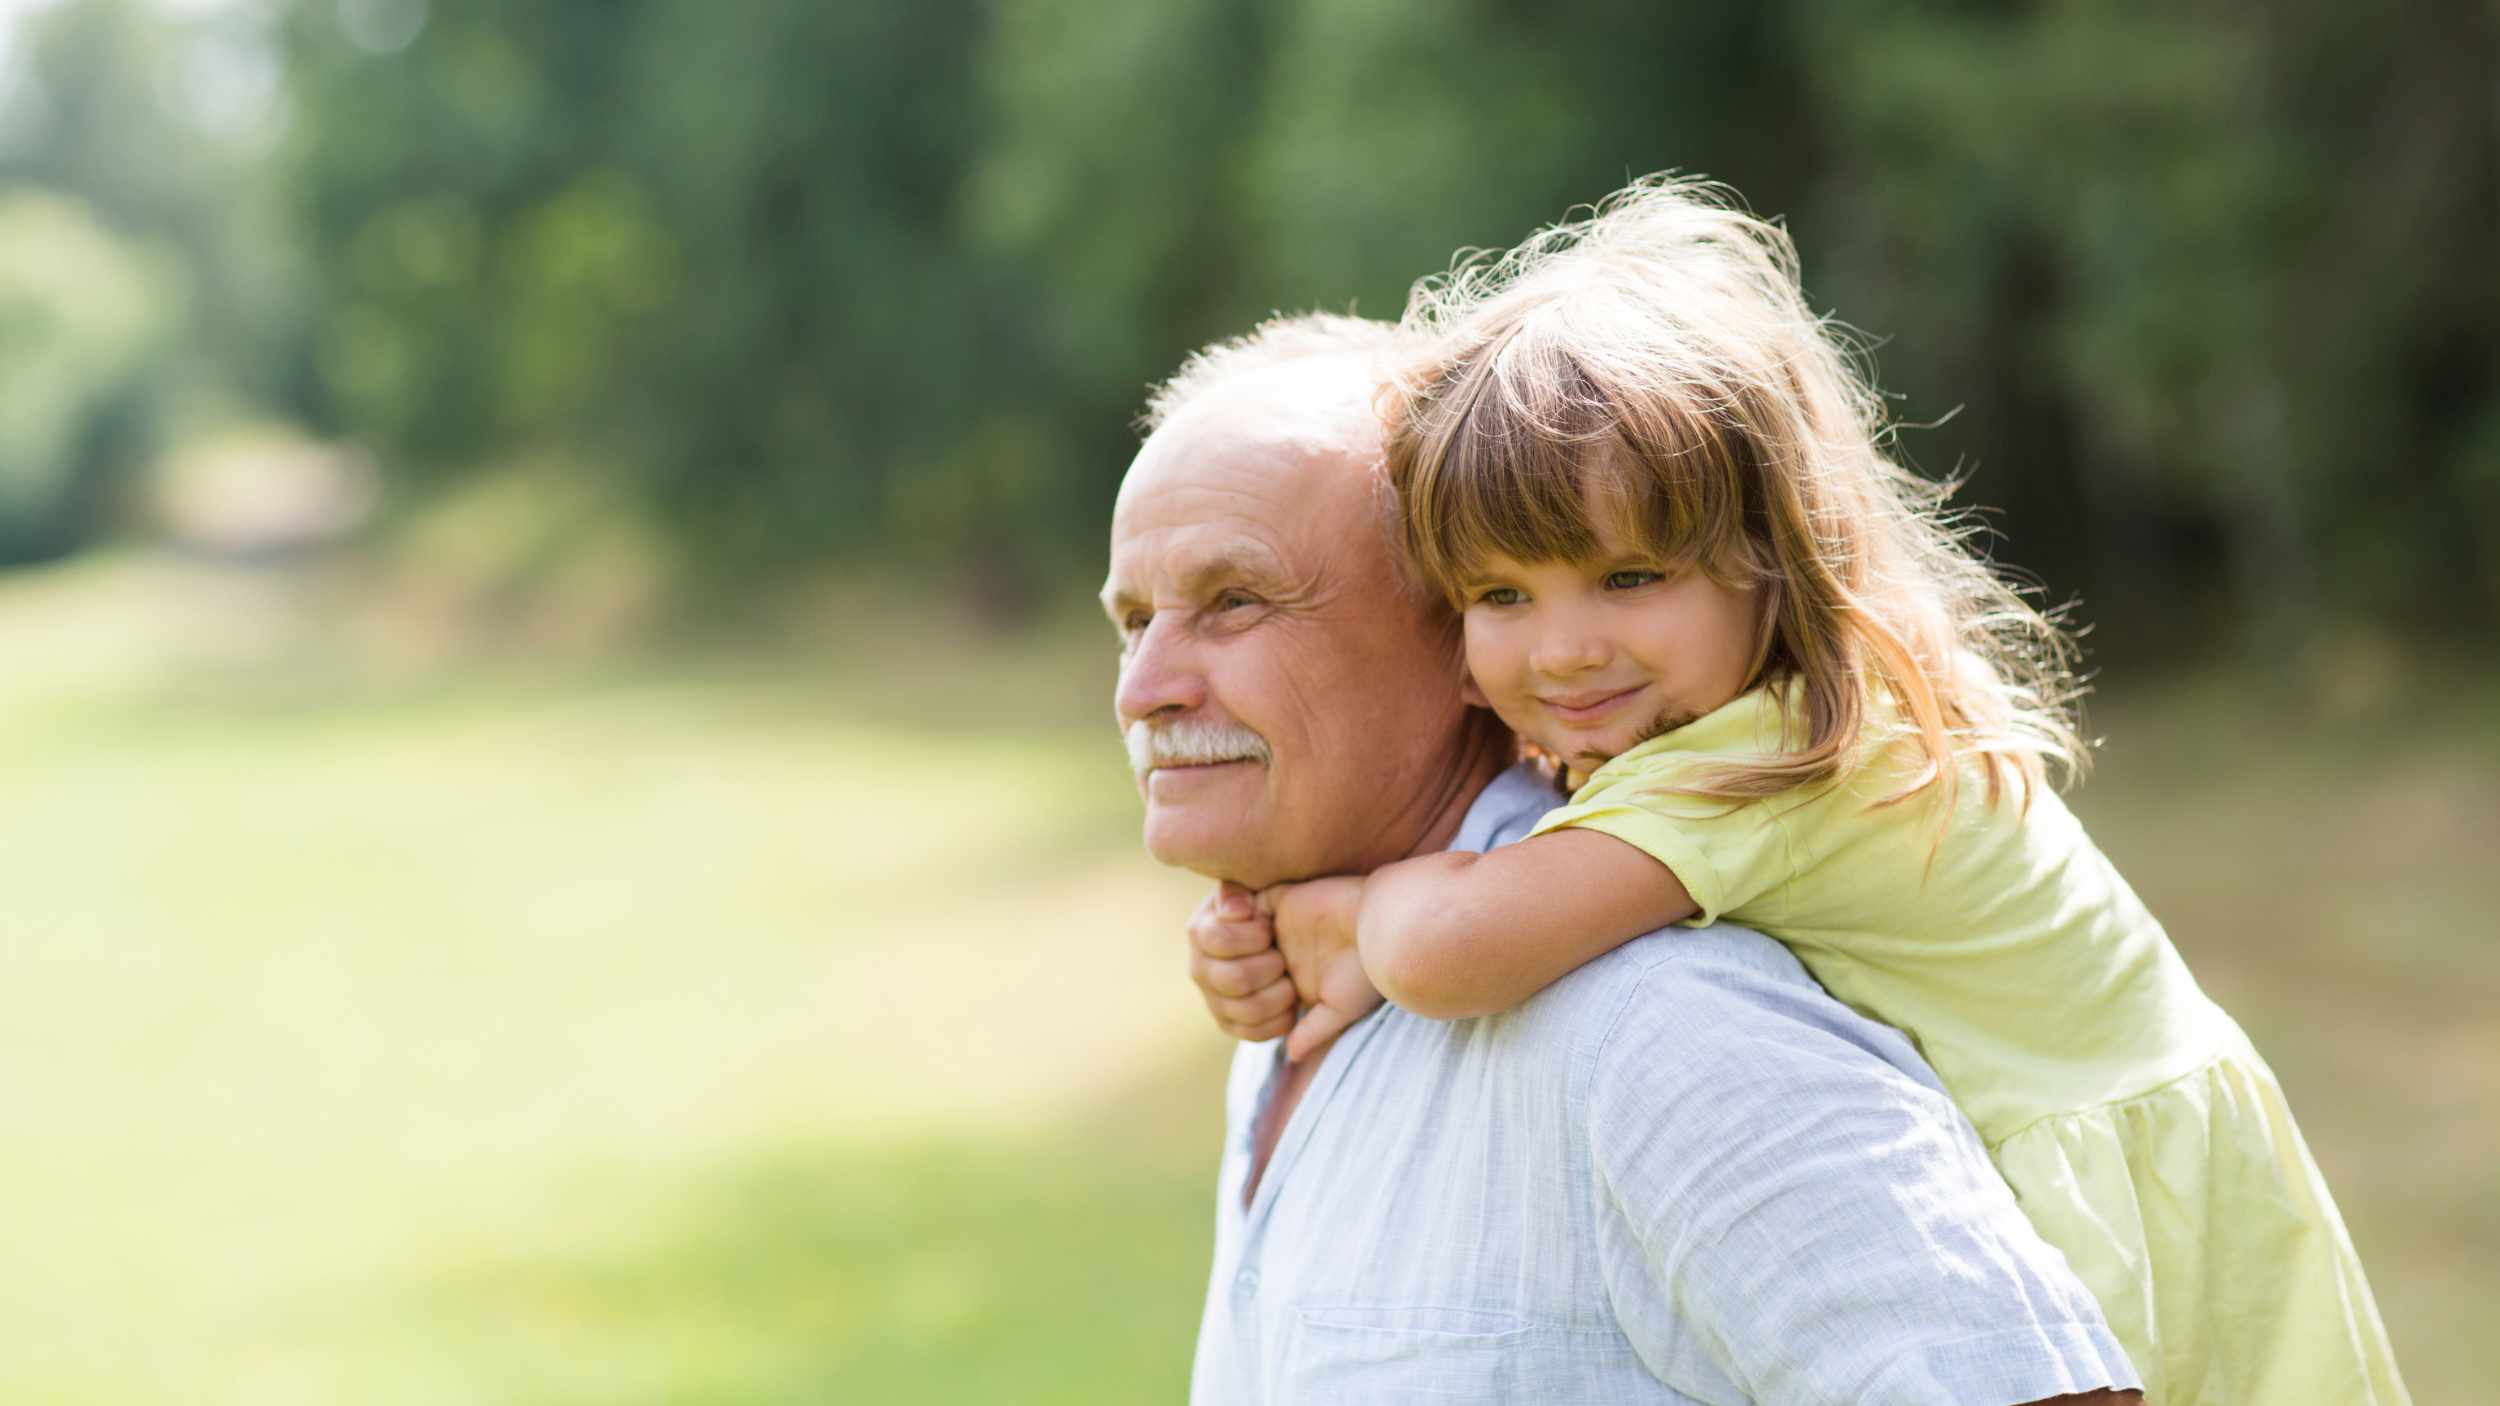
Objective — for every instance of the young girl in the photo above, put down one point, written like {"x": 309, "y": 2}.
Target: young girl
{"x": 1780, "y": 691}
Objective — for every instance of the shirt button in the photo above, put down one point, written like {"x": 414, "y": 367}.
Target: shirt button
{"x": 1247, "y": 1281}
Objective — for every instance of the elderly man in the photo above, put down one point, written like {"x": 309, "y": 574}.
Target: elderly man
{"x": 1681, "y": 1174}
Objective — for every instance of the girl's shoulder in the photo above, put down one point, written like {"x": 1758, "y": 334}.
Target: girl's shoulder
{"x": 1675, "y": 775}
{"x": 1762, "y": 722}
{"x": 1884, "y": 784}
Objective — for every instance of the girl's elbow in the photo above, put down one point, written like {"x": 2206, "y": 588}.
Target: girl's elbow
{"x": 1426, "y": 979}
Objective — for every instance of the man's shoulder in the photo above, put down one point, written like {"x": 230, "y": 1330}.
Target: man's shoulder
{"x": 1690, "y": 1004}
{"x": 1706, "y": 954}
{"x": 1722, "y": 956}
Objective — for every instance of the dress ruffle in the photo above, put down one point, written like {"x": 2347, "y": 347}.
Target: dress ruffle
{"x": 2196, "y": 1215}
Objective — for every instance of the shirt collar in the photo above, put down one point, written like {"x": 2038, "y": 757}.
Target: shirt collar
{"x": 1521, "y": 793}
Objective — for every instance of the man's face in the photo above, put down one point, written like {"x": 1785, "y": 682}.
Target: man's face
{"x": 1292, "y": 708}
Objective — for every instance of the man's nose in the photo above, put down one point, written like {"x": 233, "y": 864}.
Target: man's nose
{"x": 1160, "y": 672}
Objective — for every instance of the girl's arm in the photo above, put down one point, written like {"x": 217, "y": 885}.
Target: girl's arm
{"x": 1456, "y": 935}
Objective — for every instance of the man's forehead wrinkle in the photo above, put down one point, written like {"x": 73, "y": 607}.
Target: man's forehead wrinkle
{"x": 1188, "y": 560}
{"x": 1199, "y": 573}
{"x": 1227, "y": 478}
{"x": 1202, "y": 568}
{"x": 1273, "y": 478}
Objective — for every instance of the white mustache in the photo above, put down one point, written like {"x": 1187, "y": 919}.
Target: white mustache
{"x": 1192, "y": 742}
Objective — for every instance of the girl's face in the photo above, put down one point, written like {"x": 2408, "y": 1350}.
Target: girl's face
{"x": 1588, "y": 659}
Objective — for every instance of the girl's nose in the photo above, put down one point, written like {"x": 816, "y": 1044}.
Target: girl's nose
{"x": 1568, "y": 651}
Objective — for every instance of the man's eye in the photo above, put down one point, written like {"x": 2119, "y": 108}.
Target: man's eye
{"x": 1235, "y": 600}
{"x": 1631, "y": 580}
{"x": 1132, "y": 625}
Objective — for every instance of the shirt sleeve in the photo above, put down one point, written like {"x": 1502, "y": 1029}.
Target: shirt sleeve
{"x": 1796, "y": 1213}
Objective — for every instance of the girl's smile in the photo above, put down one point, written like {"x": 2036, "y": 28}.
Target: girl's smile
{"x": 1585, "y": 707}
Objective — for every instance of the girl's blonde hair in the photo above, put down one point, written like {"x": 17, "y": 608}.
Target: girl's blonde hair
{"x": 1655, "y": 366}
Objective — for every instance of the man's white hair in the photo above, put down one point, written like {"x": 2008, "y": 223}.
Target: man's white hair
{"x": 1279, "y": 341}
{"x": 1283, "y": 340}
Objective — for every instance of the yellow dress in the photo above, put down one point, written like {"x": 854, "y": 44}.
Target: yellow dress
{"x": 2139, "y": 1130}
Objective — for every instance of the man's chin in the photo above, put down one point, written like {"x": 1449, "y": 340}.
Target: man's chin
{"x": 1221, "y": 843}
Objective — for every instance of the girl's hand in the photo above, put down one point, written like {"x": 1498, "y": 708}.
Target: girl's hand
{"x": 1234, "y": 961}
{"x": 1314, "y": 928}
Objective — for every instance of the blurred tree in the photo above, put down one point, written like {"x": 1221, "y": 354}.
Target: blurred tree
{"x": 2197, "y": 272}
{"x": 84, "y": 322}
{"x": 719, "y": 261}
{"x": 891, "y": 278}
{"x": 160, "y": 268}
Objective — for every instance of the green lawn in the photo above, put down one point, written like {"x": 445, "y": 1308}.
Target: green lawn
{"x": 812, "y": 1030}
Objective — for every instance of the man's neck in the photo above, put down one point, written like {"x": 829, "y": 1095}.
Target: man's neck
{"x": 1489, "y": 751}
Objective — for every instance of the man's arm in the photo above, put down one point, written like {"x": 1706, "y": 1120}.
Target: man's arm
{"x": 1798, "y": 1214}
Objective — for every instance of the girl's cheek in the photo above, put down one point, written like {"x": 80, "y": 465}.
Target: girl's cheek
{"x": 1491, "y": 657}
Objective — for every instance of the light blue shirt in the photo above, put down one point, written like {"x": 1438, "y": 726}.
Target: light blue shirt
{"x": 1681, "y": 1174}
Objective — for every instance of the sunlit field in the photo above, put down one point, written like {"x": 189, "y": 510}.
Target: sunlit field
{"x": 804, "y": 1025}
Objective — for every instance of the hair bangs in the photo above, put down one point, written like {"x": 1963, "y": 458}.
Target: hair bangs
{"x": 1531, "y": 456}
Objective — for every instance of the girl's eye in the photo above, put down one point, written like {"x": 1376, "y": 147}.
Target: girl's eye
{"x": 1631, "y": 580}
{"x": 1500, "y": 595}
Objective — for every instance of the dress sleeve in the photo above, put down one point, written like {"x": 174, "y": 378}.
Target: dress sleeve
{"x": 1730, "y": 856}
{"x": 1794, "y": 1212}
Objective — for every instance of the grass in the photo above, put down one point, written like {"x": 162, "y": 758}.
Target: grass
{"x": 809, "y": 1028}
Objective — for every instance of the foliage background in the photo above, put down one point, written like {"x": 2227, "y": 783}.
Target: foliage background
{"x": 513, "y": 516}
